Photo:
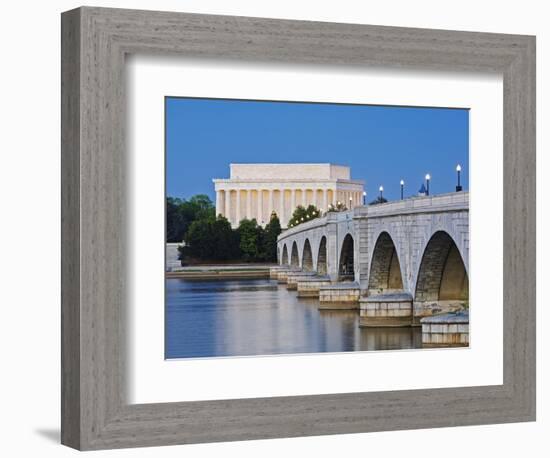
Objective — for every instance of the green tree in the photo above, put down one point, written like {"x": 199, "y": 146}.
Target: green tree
{"x": 226, "y": 240}
{"x": 301, "y": 215}
{"x": 199, "y": 239}
{"x": 272, "y": 231}
{"x": 339, "y": 207}
{"x": 249, "y": 233}
{"x": 211, "y": 239}
{"x": 180, "y": 213}
{"x": 201, "y": 206}
{"x": 174, "y": 222}
{"x": 261, "y": 254}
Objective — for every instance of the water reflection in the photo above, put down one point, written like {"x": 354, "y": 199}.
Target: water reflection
{"x": 259, "y": 317}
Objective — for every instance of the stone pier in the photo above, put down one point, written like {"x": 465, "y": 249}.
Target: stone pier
{"x": 449, "y": 329}
{"x": 274, "y": 271}
{"x": 386, "y": 310}
{"x": 282, "y": 274}
{"x": 435, "y": 308}
{"x": 292, "y": 279}
{"x": 309, "y": 286}
{"x": 341, "y": 296}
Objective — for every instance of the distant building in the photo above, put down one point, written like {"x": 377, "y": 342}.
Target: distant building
{"x": 256, "y": 190}
{"x": 172, "y": 256}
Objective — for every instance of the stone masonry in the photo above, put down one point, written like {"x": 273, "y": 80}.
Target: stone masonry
{"x": 417, "y": 246}
{"x": 257, "y": 190}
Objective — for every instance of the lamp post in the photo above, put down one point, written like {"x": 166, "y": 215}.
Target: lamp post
{"x": 402, "y": 184}
{"x": 428, "y": 177}
{"x": 350, "y": 202}
{"x": 381, "y": 189}
{"x": 364, "y": 197}
{"x": 458, "y": 186}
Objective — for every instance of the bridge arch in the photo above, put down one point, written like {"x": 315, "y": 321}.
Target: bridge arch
{"x": 322, "y": 257}
{"x": 307, "y": 257}
{"x": 442, "y": 275}
{"x": 294, "y": 257}
{"x": 385, "y": 268}
{"x": 346, "y": 269}
{"x": 284, "y": 258}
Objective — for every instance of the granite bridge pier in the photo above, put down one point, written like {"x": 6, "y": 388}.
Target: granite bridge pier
{"x": 397, "y": 263}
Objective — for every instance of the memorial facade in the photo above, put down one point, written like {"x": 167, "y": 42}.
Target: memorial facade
{"x": 257, "y": 190}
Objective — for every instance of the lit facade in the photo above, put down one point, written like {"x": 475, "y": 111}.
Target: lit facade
{"x": 257, "y": 190}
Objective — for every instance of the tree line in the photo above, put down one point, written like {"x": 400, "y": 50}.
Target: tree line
{"x": 209, "y": 237}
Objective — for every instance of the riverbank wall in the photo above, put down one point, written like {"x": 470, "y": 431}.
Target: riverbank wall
{"x": 221, "y": 272}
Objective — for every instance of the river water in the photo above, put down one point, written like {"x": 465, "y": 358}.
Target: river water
{"x": 260, "y": 317}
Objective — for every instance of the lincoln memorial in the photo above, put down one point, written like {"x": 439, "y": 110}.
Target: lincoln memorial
{"x": 257, "y": 190}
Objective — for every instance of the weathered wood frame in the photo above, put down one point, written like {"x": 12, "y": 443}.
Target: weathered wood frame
{"x": 95, "y": 413}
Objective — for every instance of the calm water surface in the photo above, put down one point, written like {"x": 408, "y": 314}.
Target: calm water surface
{"x": 260, "y": 317}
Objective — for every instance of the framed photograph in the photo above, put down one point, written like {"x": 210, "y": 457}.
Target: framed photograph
{"x": 277, "y": 228}
{"x": 238, "y": 246}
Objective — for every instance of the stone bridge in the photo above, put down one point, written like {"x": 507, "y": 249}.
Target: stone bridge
{"x": 400, "y": 260}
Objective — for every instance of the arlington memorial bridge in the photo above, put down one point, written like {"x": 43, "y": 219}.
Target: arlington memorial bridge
{"x": 396, "y": 262}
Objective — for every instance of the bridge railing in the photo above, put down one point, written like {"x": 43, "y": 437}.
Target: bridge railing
{"x": 330, "y": 217}
{"x": 303, "y": 227}
{"x": 454, "y": 200}
{"x": 440, "y": 202}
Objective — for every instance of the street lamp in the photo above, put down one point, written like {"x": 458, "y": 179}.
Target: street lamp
{"x": 381, "y": 189}
{"x": 350, "y": 202}
{"x": 402, "y": 183}
{"x": 428, "y": 177}
{"x": 458, "y": 186}
{"x": 364, "y": 198}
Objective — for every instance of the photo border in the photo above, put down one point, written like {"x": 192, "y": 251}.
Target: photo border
{"x": 95, "y": 413}
{"x": 231, "y": 99}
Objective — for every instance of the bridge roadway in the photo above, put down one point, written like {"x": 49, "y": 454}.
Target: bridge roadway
{"x": 397, "y": 262}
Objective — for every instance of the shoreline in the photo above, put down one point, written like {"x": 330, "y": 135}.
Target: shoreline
{"x": 221, "y": 272}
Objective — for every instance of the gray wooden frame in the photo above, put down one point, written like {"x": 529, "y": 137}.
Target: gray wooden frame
{"x": 95, "y": 413}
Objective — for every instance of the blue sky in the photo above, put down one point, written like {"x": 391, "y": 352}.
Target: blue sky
{"x": 381, "y": 144}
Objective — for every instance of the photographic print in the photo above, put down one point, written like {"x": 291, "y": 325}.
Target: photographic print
{"x": 299, "y": 227}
